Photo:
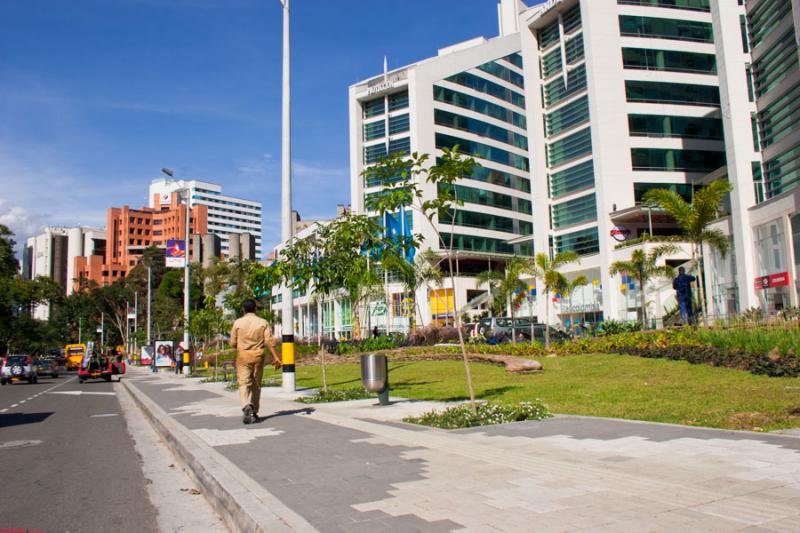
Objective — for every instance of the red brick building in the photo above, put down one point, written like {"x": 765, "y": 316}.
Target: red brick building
{"x": 130, "y": 231}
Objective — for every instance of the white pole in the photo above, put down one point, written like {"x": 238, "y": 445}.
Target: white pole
{"x": 135, "y": 320}
{"x": 186, "y": 276}
{"x": 287, "y": 344}
{"x": 149, "y": 283}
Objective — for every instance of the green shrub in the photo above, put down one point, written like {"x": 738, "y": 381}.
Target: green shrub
{"x": 336, "y": 395}
{"x": 489, "y": 413}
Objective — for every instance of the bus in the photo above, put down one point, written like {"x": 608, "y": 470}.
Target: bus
{"x": 74, "y": 355}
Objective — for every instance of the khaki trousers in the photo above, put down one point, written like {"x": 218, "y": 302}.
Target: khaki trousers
{"x": 249, "y": 372}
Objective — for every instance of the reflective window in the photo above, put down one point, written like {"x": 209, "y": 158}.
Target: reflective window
{"x": 777, "y": 63}
{"x": 373, "y": 153}
{"x": 640, "y": 189}
{"x": 576, "y": 211}
{"x": 571, "y": 147}
{"x": 576, "y": 178}
{"x": 473, "y": 219}
{"x": 658, "y": 92}
{"x": 471, "y": 243}
{"x": 506, "y": 74}
{"x": 488, "y": 87}
{"x": 661, "y": 159}
{"x": 398, "y": 124}
{"x": 449, "y": 96}
{"x": 549, "y": 35}
{"x": 571, "y": 20}
{"x": 374, "y": 130}
{"x": 765, "y": 17}
{"x": 479, "y": 127}
{"x": 400, "y": 146}
{"x": 669, "y": 60}
{"x": 556, "y": 90}
{"x": 671, "y": 126}
{"x": 693, "y": 5}
{"x": 568, "y": 116}
{"x": 781, "y": 117}
{"x": 782, "y": 172}
{"x": 551, "y": 63}
{"x": 398, "y": 101}
{"x": 373, "y": 108}
{"x": 584, "y": 242}
{"x": 573, "y": 50}
{"x": 483, "y": 151}
{"x": 483, "y": 197}
{"x": 661, "y": 28}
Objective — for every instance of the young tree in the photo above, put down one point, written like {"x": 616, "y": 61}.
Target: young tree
{"x": 491, "y": 279}
{"x": 644, "y": 267}
{"x": 403, "y": 177}
{"x": 547, "y": 270}
{"x": 694, "y": 220}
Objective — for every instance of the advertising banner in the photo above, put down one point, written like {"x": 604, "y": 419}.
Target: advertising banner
{"x": 163, "y": 353}
{"x": 176, "y": 254}
{"x": 146, "y": 357}
{"x": 773, "y": 280}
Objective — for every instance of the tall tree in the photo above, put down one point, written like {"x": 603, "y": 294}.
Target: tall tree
{"x": 694, "y": 220}
{"x": 644, "y": 267}
{"x": 403, "y": 178}
{"x": 547, "y": 270}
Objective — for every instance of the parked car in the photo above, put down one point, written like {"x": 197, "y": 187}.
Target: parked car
{"x": 47, "y": 366}
{"x": 499, "y": 327}
{"x": 19, "y": 367}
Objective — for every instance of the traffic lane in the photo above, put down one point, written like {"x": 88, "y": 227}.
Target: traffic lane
{"x": 68, "y": 464}
{"x": 13, "y": 395}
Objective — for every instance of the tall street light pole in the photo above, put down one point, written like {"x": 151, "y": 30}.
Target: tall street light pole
{"x": 287, "y": 318}
{"x": 186, "y": 190}
{"x": 149, "y": 299}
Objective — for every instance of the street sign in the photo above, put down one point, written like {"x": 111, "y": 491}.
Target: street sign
{"x": 176, "y": 254}
{"x": 773, "y": 280}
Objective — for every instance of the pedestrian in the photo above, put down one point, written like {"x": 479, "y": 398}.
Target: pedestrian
{"x": 249, "y": 336}
{"x": 375, "y": 331}
{"x": 179, "y": 358}
{"x": 683, "y": 292}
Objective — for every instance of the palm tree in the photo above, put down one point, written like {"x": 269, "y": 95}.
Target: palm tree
{"x": 546, "y": 269}
{"x": 492, "y": 279}
{"x": 644, "y": 266}
{"x": 569, "y": 288}
{"x": 694, "y": 219}
{"x": 512, "y": 283}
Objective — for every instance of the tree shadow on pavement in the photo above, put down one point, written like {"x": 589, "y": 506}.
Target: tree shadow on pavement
{"x": 19, "y": 419}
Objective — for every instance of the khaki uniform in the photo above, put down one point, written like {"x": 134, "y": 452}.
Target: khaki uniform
{"x": 250, "y": 335}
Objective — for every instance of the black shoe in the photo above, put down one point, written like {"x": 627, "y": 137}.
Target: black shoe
{"x": 248, "y": 414}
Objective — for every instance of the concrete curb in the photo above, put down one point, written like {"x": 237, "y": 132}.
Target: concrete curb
{"x": 240, "y": 501}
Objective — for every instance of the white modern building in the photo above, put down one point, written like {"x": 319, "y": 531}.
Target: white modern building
{"x": 226, "y": 214}
{"x": 471, "y": 94}
{"x": 52, "y": 254}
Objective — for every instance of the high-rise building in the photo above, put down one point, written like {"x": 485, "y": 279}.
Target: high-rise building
{"x": 226, "y": 214}
{"x": 130, "y": 231}
{"x": 774, "y": 31}
{"x": 53, "y": 253}
{"x": 471, "y": 94}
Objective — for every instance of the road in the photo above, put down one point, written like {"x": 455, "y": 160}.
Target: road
{"x": 67, "y": 461}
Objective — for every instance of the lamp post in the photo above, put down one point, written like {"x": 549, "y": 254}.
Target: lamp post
{"x": 287, "y": 318}
{"x": 149, "y": 299}
{"x": 185, "y": 189}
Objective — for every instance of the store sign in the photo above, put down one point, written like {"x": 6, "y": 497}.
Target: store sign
{"x": 165, "y": 198}
{"x": 620, "y": 233}
{"x": 772, "y": 281}
{"x": 176, "y": 254}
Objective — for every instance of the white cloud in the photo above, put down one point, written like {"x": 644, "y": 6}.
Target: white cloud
{"x": 20, "y": 221}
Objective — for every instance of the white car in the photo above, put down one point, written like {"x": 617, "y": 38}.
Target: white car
{"x": 19, "y": 367}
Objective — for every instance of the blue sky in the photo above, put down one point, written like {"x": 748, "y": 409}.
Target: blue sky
{"x": 96, "y": 96}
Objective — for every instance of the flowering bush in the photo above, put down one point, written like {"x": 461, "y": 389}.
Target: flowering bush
{"x": 489, "y": 413}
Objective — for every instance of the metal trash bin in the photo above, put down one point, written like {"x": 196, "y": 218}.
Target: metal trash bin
{"x": 375, "y": 376}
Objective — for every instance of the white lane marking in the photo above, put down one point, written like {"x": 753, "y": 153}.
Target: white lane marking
{"x": 81, "y": 393}
{"x": 23, "y": 401}
{"x": 3, "y": 410}
{"x": 104, "y": 415}
{"x": 51, "y": 388}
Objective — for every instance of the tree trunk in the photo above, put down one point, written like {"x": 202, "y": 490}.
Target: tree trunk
{"x": 461, "y": 334}
{"x": 322, "y": 352}
{"x": 547, "y": 319}
{"x": 701, "y": 288}
{"x": 644, "y": 303}
{"x": 511, "y": 312}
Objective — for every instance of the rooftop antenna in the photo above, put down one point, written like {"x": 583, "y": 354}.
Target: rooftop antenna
{"x": 385, "y": 69}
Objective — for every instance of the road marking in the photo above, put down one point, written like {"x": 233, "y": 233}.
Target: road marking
{"x": 3, "y": 410}
{"x": 80, "y": 393}
{"x": 48, "y": 390}
{"x": 15, "y": 405}
{"x": 104, "y": 415}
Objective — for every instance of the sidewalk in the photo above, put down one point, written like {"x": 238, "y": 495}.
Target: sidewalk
{"x": 354, "y": 466}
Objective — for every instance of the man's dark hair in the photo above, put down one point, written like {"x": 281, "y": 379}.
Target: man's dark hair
{"x": 249, "y": 306}
{"x": 681, "y": 270}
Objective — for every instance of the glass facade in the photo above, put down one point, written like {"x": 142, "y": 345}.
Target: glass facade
{"x": 640, "y": 189}
{"x": 693, "y": 5}
{"x": 782, "y": 172}
{"x": 557, "y": 90}
{"x": 372, "y": 154}
{"x": 479, "y": 127}
{"x": 473, "y": 219}
{"x": 551, "y": 63}
{"x": 449, "y": 96}
{"x": 472, "y": 243}
{"x": 568, "y": 116}
{"x": 573, "y": 50}
{"x": 569, "y": 148}
{"x": 661, "y": 28}
{"x": 483, "y": 151}
{"x": 398, "y": 101}
{"x": 583, "y": 242}
{"x": 373, "y": 108}
{"x": 498, "y": 177}
{"x": 671, "y": 126}
{"x": 667, "y": 159}
{"x": 576, "y": 211}
{"x": 777, "y": 64}
{"x": 573, "y": 179}
{"x": 765, "y": 16}
{"x": 400, "y": 146}
{"x": 771, "y": 258}
{"x": 781, "y": 117}
{"x": 571, "y": 20}
{"x": 398, "y": 124}
{"x": 488, "y": 198}
{"x": 374, "y": 130}
{"x": 485, "y": 86}
{"x": 549, "y": 35}
{"x": 504, "y": 73}
{"x": 669, "y": 60}
{"x": 658, "y": 92}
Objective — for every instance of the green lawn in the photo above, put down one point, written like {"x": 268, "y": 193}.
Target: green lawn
{"x": 601, "y": 385}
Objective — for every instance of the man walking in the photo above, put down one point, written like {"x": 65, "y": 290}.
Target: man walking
{"x": 249, "y": 335}
{"x": 683, "y": 292}
{"x": 179, "y": 358}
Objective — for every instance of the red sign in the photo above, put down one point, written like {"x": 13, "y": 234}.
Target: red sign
{"x": 773, "y": 280}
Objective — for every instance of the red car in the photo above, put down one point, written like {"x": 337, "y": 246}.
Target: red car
{"x": 101, "y": 366}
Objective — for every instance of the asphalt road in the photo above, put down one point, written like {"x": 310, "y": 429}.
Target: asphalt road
{"x": 67, "y": 461}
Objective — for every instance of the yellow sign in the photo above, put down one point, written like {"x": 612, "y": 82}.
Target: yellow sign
{"x": 441, "y": 302}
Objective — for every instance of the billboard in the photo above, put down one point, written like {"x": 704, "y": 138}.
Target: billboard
{"x": 163, "y": 353}
{"x": 147, "y": 355}
{"x": 176, "y": 254}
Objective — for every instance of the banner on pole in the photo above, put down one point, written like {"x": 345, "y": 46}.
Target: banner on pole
{"x": 176, "y": 254}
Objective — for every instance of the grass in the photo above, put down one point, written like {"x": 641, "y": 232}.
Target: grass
{"x": 754, "y": 339}
{"x": 616, "y": 386}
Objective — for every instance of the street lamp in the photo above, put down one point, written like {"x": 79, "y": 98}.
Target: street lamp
{"x": 287, "y": 314}
{"x": 185, "y": 189}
